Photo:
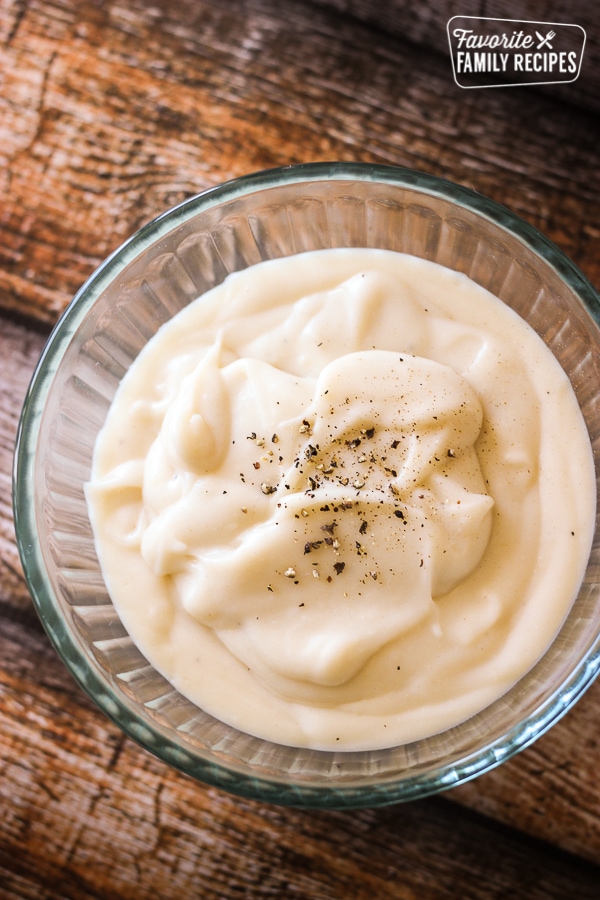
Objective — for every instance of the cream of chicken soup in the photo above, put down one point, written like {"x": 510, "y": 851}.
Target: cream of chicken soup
{"x": 333, "y": 503}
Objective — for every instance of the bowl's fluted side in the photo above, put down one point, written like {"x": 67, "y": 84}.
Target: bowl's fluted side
{"x": 167, "y": 265}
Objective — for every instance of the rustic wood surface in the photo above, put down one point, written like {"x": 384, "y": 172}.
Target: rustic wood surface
{"x": 111, "y": 112}
{"x": 425, "y": 24}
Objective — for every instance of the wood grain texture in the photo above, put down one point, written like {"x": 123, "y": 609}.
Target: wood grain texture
{"x": 87, "y": 814}
{"x": 113, "y": 112}
{"x": 110, "y": 112}
{"x": 425, "y": 24}
{"x": 19, "y": 352}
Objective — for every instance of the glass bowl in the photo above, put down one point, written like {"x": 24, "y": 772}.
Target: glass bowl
{"x": 167, "y": 264}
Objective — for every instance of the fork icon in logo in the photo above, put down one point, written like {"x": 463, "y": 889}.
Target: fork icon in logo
{"x": 545, "y": 41}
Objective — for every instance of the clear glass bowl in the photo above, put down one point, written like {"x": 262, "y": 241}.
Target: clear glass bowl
{"x": 162, "y": 268}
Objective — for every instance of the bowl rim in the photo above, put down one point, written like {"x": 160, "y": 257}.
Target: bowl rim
{"x": 218, "y": 774}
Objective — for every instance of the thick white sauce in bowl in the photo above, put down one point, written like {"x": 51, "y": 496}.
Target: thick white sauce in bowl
{"x": 333, "y": 501}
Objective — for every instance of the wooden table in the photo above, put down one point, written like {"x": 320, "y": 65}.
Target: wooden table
{"x": 111, "y": 111}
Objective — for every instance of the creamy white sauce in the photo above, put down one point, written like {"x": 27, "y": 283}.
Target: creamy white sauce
{"x": 333, "y": 502}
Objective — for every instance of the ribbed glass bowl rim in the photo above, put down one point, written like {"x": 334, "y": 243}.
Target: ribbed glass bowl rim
{"x": 351, "y": 795}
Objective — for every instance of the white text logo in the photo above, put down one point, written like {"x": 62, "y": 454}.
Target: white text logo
{"x": 510, "y": 53}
